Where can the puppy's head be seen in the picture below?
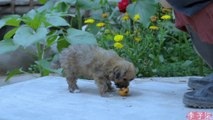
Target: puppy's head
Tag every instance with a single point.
(123, 73)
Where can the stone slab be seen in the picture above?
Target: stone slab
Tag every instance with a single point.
(47, 98)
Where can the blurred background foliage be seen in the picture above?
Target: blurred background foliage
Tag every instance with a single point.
(142, 31)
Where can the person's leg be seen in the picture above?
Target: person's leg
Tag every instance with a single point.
(205, 50)
(202, 96)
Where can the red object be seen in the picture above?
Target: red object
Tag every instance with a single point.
(201, 23)
(122, 5)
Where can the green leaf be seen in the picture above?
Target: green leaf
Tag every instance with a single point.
(72, 2)
(92, 28)
(145, 8)
(13, 73)
(62, 43)
(2, 23)
(51, 39)
(31, 14)
(47, 6)
(57, 21)
(88, 4)
(42, 1)
(35, 19)
(47, 66)
(80, 37)
(187, 63)
(161, 58)
(26, 36)
(61, 7)
(10, 33)
(7, 46)
(11, 20)
(151, 56)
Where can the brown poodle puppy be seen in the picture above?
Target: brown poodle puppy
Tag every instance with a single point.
(93, 62)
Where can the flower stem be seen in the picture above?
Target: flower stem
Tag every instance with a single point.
(79, 18)
(40, 57)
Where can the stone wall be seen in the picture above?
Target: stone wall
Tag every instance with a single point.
(16, 6)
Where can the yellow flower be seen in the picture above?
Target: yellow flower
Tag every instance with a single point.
(137, 39)
(136, 17)
(118, 38)
(125, 17)
(166, 17)
(100, 24)
(153, 27)
(104, 15)
(89, 21)
(118, 45)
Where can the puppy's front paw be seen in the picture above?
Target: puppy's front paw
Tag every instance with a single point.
(74, 90)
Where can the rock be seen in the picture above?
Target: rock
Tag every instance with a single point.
(18, 59)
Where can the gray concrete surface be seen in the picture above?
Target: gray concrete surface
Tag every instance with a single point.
(17, 78)
(47, 98)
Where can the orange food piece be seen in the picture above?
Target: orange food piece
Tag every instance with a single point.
(123, 91)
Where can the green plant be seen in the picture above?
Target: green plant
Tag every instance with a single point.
(145, 34)
(44, 27)
(147, 37)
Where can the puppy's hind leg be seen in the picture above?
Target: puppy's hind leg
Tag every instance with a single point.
(72, 84)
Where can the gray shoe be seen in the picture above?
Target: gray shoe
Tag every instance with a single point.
(196, 83)
(200, 98)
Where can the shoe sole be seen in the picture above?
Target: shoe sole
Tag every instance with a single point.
(197, 102)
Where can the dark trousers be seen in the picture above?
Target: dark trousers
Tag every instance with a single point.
(205, 50)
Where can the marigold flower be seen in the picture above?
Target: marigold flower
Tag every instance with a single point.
(104, 15)
(125, 17)
(118, 38)
(137, 39)
(166, 17)
(153, 27)
(118, 45)
(154, 18)
(89, 21)
(136, 17)
(122, 5)
(100, 24)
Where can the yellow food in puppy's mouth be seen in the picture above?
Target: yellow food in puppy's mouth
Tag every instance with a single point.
(123, 91)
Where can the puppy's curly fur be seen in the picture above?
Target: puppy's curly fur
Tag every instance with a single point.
(93, 62)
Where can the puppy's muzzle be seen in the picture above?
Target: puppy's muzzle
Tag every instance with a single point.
(122, 84)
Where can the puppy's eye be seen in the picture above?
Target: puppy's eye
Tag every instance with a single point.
(125, 79)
